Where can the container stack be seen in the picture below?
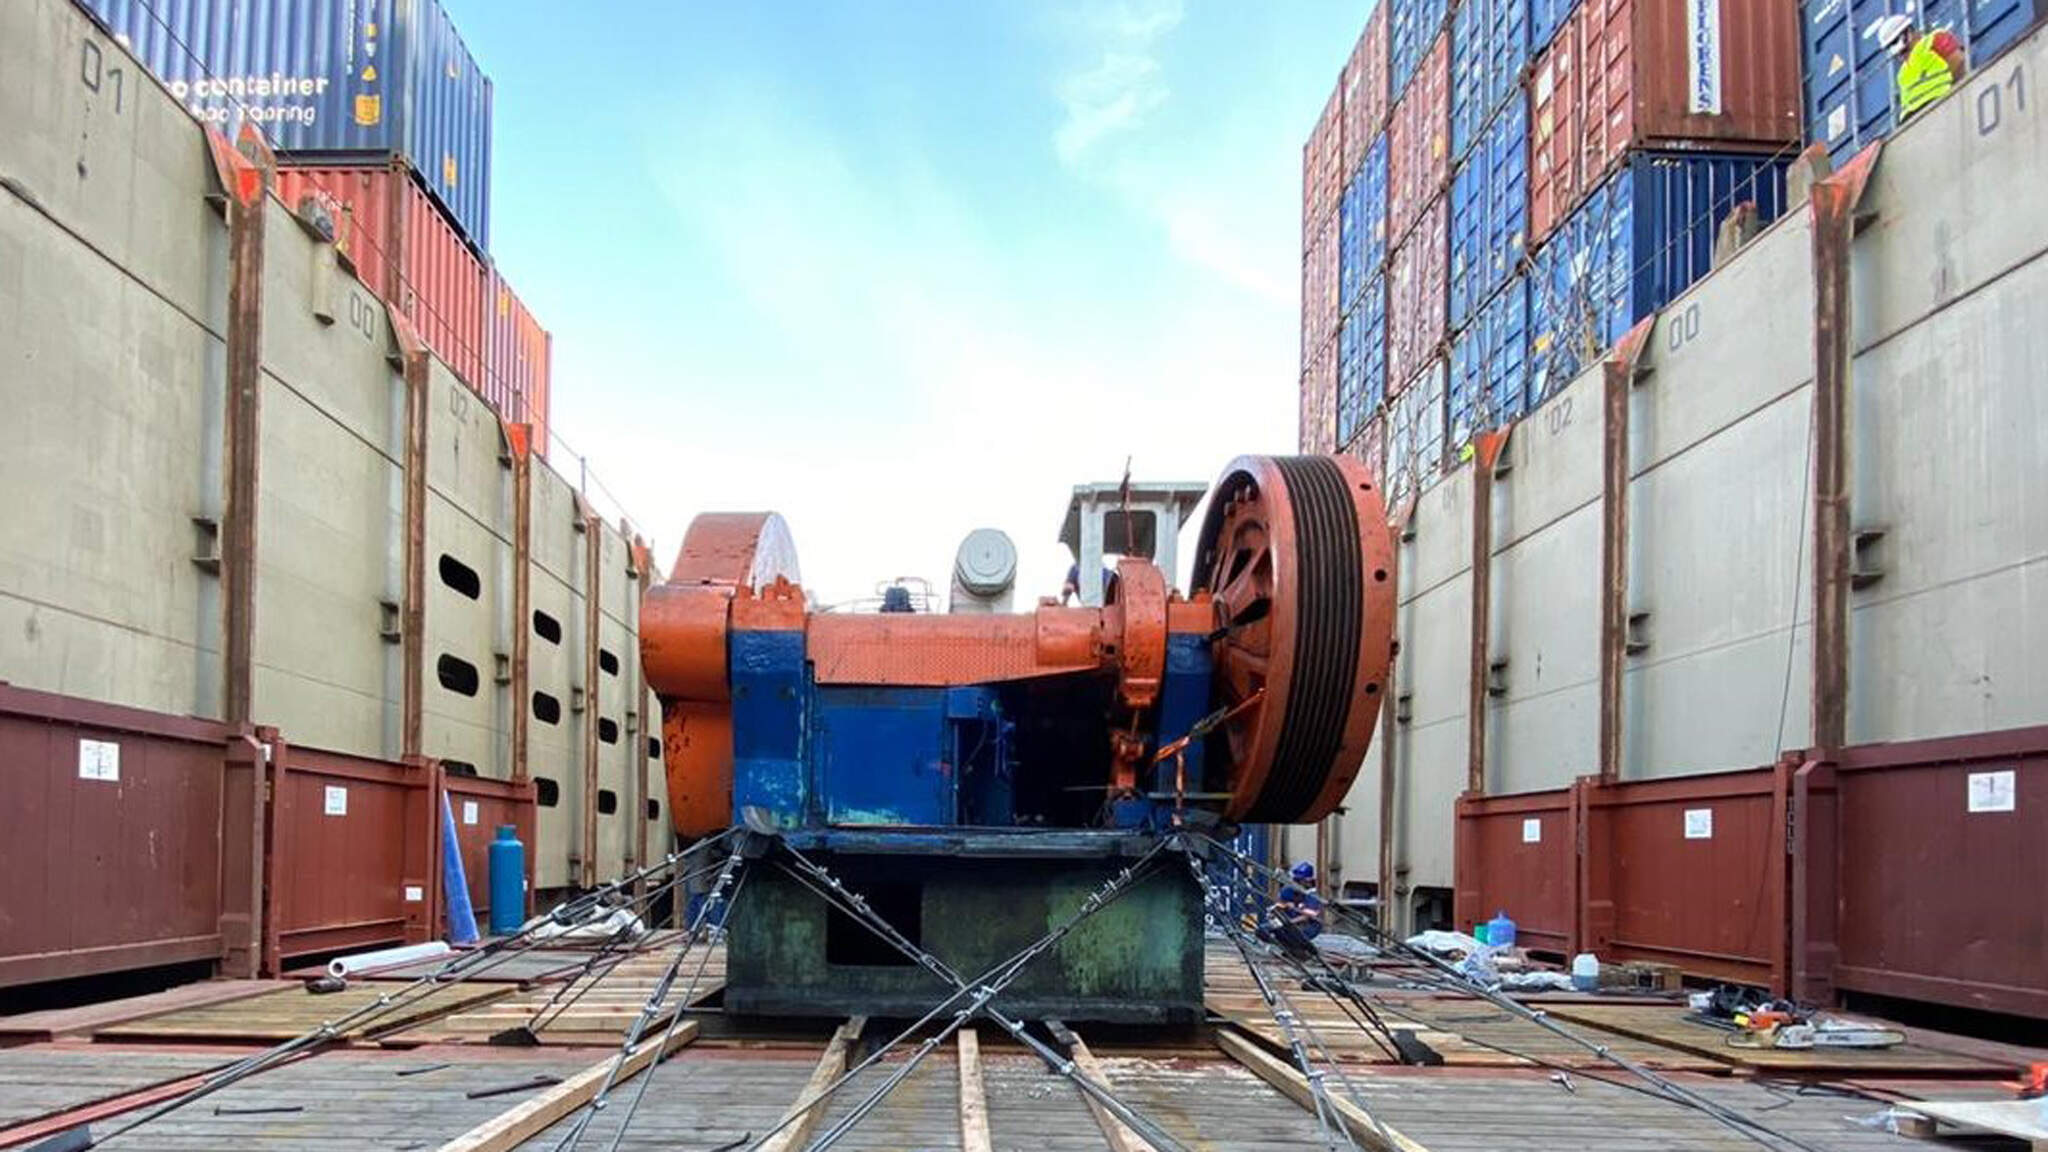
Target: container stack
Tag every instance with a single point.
(1322, 166)
(1850, 93)
(381, 120)
(1548, 173)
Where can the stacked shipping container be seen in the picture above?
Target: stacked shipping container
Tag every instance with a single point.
(1554, 171)
(380, 114)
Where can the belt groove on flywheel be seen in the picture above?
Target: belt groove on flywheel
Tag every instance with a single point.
(1329, 605)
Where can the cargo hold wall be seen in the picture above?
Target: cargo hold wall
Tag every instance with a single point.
(1947, 438)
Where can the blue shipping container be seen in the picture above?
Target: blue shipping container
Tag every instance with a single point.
(1490, 212)
(1490, 366)
(1362, 228)
(1849, 79)
(1362, 361)
(346, 80)
(1489, 50)
(1640, 239)
(1412, 26)
(1545, 18)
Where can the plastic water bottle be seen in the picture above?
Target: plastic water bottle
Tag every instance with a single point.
(1586, 972)
(508, 882)
(1500, 931)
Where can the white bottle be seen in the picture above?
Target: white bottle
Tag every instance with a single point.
(1586, 972)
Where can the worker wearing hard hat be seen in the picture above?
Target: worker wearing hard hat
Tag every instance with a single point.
(1929, 63)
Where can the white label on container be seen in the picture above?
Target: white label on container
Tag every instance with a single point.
(99, 760)
(337, 801)
(1992, 791)
(469, 812)
(1699, 823)
(1545, 83)
(1532, 829)
(1838, 121)
(1703, 56)
(414, 893)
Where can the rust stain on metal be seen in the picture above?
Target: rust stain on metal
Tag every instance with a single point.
(1486, 452)
(1834, 206)
(247, 175)
(413, 605)
(1618, 370)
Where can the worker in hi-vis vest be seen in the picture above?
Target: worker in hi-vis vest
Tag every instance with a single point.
(1929, 63)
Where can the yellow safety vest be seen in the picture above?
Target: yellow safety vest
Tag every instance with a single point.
(1924, 78)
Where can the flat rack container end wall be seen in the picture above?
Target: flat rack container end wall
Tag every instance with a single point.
(356, 81)
(1628, 74)
(1848, 76)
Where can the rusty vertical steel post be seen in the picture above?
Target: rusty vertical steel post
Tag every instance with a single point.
(413, 604)
(1618, 371)
(593, 550)
(521, 438)
(1486, 452)
(245, 175)
(1388, 762)
(1834, 209)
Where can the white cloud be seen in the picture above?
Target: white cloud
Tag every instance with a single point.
(1122, 84)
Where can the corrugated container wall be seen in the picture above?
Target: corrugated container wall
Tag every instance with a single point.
(1319, 288)
(1419, 141)
(1489, 212)
(1362, 360)
(1411, 30)
(1319, 400)
(1623, 74)
(1415, 297)
(361, 79)
(1490, 367)
(1489, 53)
(1322, 166)
(1545, 18)
(518, 359)
(1365, 89)
(1849, 79)
(405, 249)
(1362, 227)
(1642, 238)
(1415, 432)
(1370, 448)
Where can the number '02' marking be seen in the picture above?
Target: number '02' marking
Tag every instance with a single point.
(1558, 416)
(1991, 101)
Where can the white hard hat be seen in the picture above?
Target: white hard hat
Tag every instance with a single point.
(1890, 31)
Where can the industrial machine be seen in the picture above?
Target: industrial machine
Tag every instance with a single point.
(976, 776)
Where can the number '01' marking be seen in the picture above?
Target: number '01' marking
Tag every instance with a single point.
(94, 73)
(1991, 101)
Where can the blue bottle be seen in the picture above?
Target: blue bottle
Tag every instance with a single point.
(1500, 931)
(508, 882)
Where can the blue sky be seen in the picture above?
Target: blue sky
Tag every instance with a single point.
(898, 270)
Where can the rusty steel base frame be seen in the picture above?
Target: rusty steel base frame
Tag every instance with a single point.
(1136, 961)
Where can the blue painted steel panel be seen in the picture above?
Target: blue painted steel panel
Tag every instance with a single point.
(769, 696)
(1490, 212)
(1545, 18)
(1183, 701)
(1489, 52)
(1362, 361)
(1490, 366)
(882, 755)
(1412, 26)
(1848, 77)
(1640, 239)
(343, 79)
(1362, 235)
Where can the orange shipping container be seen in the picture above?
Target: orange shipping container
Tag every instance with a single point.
(1322, 166)
(1419, 141)
(518, 356)
(1320, 316)
(1319, 400)
(1622, 74)
(405, 250)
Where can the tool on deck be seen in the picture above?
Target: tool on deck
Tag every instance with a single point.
(539, 1080)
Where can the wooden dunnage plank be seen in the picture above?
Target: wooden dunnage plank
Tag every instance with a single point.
(2020, 1119)
(803, 1116)
(1295, 1086)
(1669, 1027)
(50, 1024)
(509, 1129)
(974, 1134)
(291, 1011)
(1114, 1131)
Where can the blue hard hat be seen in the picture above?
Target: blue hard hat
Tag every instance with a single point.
(1304, 872)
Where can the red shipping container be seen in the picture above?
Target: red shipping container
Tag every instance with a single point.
(1418, 304)
(405, 250)
(1365, 90)
(1319, 400)
(1369, 447)
(1623, 75)
(1322, 166)
(1419, 140)
(1320, 313)
(518, 356)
